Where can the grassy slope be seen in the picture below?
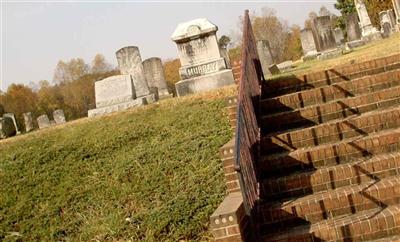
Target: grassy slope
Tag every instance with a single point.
(157, 167)
(376, 49)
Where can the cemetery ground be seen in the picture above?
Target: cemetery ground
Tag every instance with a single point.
(149, 174)
(384, 47)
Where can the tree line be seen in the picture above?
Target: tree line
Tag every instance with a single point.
(72, 88)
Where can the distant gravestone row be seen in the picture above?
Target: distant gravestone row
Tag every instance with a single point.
(322, 42)
(9, 127)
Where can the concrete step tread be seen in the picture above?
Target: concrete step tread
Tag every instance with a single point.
(336, 228)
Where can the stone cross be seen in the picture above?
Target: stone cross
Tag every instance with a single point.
(264, 53)
(43, 121)
(154, 73)
(28, 121)
(59, 116)
(130, 63)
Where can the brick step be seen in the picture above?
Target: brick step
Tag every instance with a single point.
(317, 114)
(387, 239)
(330, 154)
(332, 92)
(332, 131)
(367, 225)
(287, 85)
(314, 208)
(328, 178)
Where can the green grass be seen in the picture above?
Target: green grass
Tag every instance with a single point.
(151, 174)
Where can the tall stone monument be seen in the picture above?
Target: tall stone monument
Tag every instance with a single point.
(396, 7)
(325, 39)
(203, 66)
(308, 44)
(43, 121)
(154, 73)
(264, 53)
(28, 121)
(368, 32)
(59, 116)
(123, 91)
(392, 17)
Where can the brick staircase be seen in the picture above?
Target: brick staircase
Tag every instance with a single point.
(330, 157)
(329, 168)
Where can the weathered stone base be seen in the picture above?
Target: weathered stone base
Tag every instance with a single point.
(204, 83)
(330, 54)
(372, 37)
(354, 44)
(122, 106)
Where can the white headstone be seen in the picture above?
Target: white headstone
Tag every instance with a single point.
(203, 66)
(154, 72)
(43, 121)
(308, 43)
(28, 121)
(264, 53)
(59, 116)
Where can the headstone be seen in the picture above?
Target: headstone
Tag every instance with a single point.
(154, 73)
(130, 63)
(308, 44)
(59, 116)
(330, 54)
(12, 116)
(225, 55)
(264, 53)
(7, 127)
(339, 36)
(120, 92)
(353, 28)
(203, 66)
(43, 121)
(368, 32)
(354, 44)
(28, 121)
(274, 69)
(386, 30)
(325, 38)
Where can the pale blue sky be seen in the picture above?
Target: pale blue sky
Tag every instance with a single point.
(36, 35)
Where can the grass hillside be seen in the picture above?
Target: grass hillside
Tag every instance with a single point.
(150, 174)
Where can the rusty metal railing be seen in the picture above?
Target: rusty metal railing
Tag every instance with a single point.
(247, 128)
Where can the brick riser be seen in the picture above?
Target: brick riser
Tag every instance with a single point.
(329, 178)
(344, 108)
(333, 131)
(331, 204)
(279, 87)
(366, 225)
(330, 154)
(331, 92)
